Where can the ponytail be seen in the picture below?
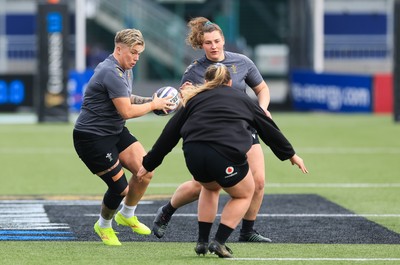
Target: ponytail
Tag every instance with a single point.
(216, 75)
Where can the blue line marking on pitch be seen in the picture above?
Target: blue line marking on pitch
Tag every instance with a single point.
(26, 238)
(30, 232)
(21, 235)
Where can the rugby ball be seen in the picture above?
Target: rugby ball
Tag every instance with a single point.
(166, 92)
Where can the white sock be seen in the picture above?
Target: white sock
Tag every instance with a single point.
(127, 211)
(103, 223)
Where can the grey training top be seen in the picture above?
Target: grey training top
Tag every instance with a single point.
(98, 114)
(243, 71)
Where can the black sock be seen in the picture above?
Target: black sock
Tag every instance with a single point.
(223, 233)
(247, 226)
(169, 209)
(204, 231)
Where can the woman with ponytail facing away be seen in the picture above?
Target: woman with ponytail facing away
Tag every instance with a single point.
(216, 138)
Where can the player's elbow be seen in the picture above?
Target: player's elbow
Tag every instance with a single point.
(125, 115)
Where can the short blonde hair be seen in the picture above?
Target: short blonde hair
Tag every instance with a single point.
(129, 37)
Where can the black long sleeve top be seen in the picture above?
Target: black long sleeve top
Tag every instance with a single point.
(220, 117)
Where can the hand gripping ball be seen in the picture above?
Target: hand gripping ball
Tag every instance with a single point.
(164, 92)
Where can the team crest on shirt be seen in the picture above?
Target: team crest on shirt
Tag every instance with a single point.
(190, 66)
(119, 72)
(234, 69)
(230, 172)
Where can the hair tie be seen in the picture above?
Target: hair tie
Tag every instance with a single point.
(208, 23)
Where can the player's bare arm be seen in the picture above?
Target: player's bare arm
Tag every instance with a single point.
(140, 100)
(127, 110)
(263, 95)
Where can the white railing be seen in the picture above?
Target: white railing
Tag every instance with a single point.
(164, 31)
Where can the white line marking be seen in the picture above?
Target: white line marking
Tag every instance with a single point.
(178, 150)
(303, 185)
(284, 215)
(334, 185)
(6, 204)
(347, 150)
(29, 216)
(21, 210)
(317, 259)
(21, 207)
(331, 215)
(20, 215)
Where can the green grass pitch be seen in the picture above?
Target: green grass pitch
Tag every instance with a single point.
(353, 161)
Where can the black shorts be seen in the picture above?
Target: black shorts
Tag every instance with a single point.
(101, 152)
(206, 165)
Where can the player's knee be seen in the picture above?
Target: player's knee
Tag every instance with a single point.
(112, 199)
(116, 193)
(195, 189)
(117, 187)
(148, 177)
(259, 182)
(259, 186)
(125, 191)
